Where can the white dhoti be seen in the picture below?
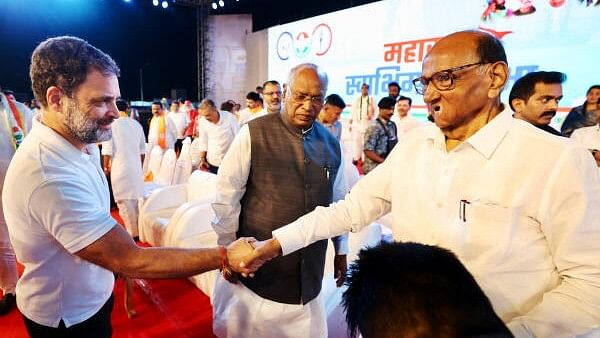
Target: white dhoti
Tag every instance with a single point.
(239, 312)
(129, 212)
(358, 139)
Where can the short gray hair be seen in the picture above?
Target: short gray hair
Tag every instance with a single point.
(303, 66)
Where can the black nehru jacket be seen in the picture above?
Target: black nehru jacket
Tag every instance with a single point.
(291, 174)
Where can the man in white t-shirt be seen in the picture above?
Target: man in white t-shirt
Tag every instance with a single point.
(123, 158)
(56, 202)
(217, 130)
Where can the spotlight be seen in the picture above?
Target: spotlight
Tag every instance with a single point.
(164, 4)
(155, 2)
(127, 0)
(214, 5)
(221, 3)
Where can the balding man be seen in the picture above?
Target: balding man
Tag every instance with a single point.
(518, 206)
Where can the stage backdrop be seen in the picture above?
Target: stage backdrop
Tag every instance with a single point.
(387, 40)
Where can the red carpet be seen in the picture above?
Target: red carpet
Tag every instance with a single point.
(165, 308)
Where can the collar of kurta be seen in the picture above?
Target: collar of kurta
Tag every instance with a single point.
(485, 140)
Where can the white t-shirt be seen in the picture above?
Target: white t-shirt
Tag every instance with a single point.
(215, 139)
(56, 203)
(125, 147)
(588, 137)
(518, 206)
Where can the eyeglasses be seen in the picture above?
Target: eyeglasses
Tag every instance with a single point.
(278, 92)
(442, 80)
(302, 97)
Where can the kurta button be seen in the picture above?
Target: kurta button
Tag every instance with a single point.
(306, 160)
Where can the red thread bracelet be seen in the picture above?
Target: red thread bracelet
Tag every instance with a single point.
(224, 262)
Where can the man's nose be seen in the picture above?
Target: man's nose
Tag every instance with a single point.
(113, 110)
(430, 93)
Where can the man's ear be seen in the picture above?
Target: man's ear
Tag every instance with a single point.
(498, 73)
(518, 105)
(54, 97)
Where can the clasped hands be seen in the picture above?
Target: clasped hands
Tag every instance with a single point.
(246, 255)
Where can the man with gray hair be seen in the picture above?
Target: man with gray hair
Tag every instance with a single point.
(279, 167)
(56, 202)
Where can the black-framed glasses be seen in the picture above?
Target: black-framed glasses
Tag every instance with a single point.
(302, 97)
(442, 80)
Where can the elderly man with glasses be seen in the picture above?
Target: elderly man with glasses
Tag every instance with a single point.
(518, 206)
(279, 167)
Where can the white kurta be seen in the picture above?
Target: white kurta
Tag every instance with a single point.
(125, 148)
(170, 130)
(405, 124)
(181, 120)
(215, 138)
(246, 115)
(588, 137)
(530, 235)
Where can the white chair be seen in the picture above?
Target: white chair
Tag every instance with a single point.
(156, 155)
(195, 153)
(183, 166)
(146, 158)
(168, 202)
(167, 168)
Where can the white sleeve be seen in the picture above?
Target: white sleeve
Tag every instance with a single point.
(570, 222)
(231, 186)
(70, 213)
(368, 200)
(202, 134)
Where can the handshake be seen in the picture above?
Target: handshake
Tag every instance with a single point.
(246, 255)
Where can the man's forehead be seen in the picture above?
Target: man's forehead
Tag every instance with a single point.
(548, 88)
(451, 52)
(271, 86)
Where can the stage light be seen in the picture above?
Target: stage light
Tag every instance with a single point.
(127, 0)
(164, 4)
(155, 2)
(214, 5)
(221, 3)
